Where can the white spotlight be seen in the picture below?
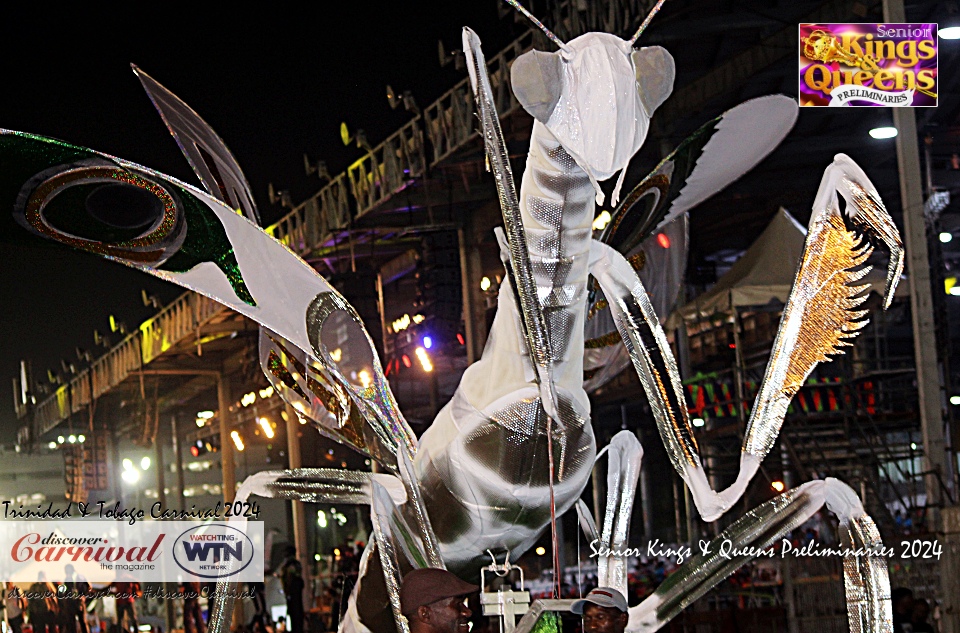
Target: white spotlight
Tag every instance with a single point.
(946, 237)
(950, 33)
(883, 132)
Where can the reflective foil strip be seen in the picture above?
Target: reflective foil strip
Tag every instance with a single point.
(403, 538)
(623, 472)
(319, 493)
(321, 485)
(418, 511)
(865, 576)
(221, 605)
(757, 529)
(380, 511)
(301, 382)
(647, 344)
(535, 329)
(375, 398)
(866, 579)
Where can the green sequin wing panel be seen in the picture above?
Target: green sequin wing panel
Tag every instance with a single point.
(93, 202)
(207, 241)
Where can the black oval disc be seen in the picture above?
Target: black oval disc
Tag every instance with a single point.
(124, 206)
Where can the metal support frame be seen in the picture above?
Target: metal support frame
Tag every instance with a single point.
(921, 304)
(299, 508)
(929, 381)
(924, 328)
(226, 443)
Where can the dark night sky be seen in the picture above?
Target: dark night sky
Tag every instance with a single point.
(275, 83)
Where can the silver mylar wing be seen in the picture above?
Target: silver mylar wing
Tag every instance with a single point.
(206, 152)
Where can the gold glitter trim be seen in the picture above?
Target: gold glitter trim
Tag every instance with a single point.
(820, 315)
(599, 305)
(608, 339)
(129, 249)
(349, 421)
(660, 182)
(638, 261)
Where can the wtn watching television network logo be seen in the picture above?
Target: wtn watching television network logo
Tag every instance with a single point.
(103, 551)
(213, 550)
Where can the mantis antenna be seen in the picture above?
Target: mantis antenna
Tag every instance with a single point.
(646, 21)
(550, 34)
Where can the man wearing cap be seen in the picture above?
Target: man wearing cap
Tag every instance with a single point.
(433, 601)
(604, 610)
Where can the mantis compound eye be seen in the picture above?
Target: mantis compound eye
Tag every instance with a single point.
(537, 83)
(656, 71)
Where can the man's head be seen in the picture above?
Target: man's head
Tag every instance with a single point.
(902, 599)
(434, 601)
(604, 610)
(921, 610)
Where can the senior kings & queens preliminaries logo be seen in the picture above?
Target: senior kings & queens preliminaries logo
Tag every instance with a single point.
(868, 65)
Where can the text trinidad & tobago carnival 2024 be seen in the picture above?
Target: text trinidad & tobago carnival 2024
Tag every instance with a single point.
(115, 512)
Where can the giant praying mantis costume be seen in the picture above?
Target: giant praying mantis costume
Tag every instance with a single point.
(514, 447)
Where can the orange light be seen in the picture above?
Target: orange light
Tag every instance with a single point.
(663, 240)
(266, 426)
(778, 486)
(424, 359)
(406, 361)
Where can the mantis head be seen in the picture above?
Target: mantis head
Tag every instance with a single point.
(596, 95)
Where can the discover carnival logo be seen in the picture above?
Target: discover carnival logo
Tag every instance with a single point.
(150, 551)
(54, 548)
(213, 550)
